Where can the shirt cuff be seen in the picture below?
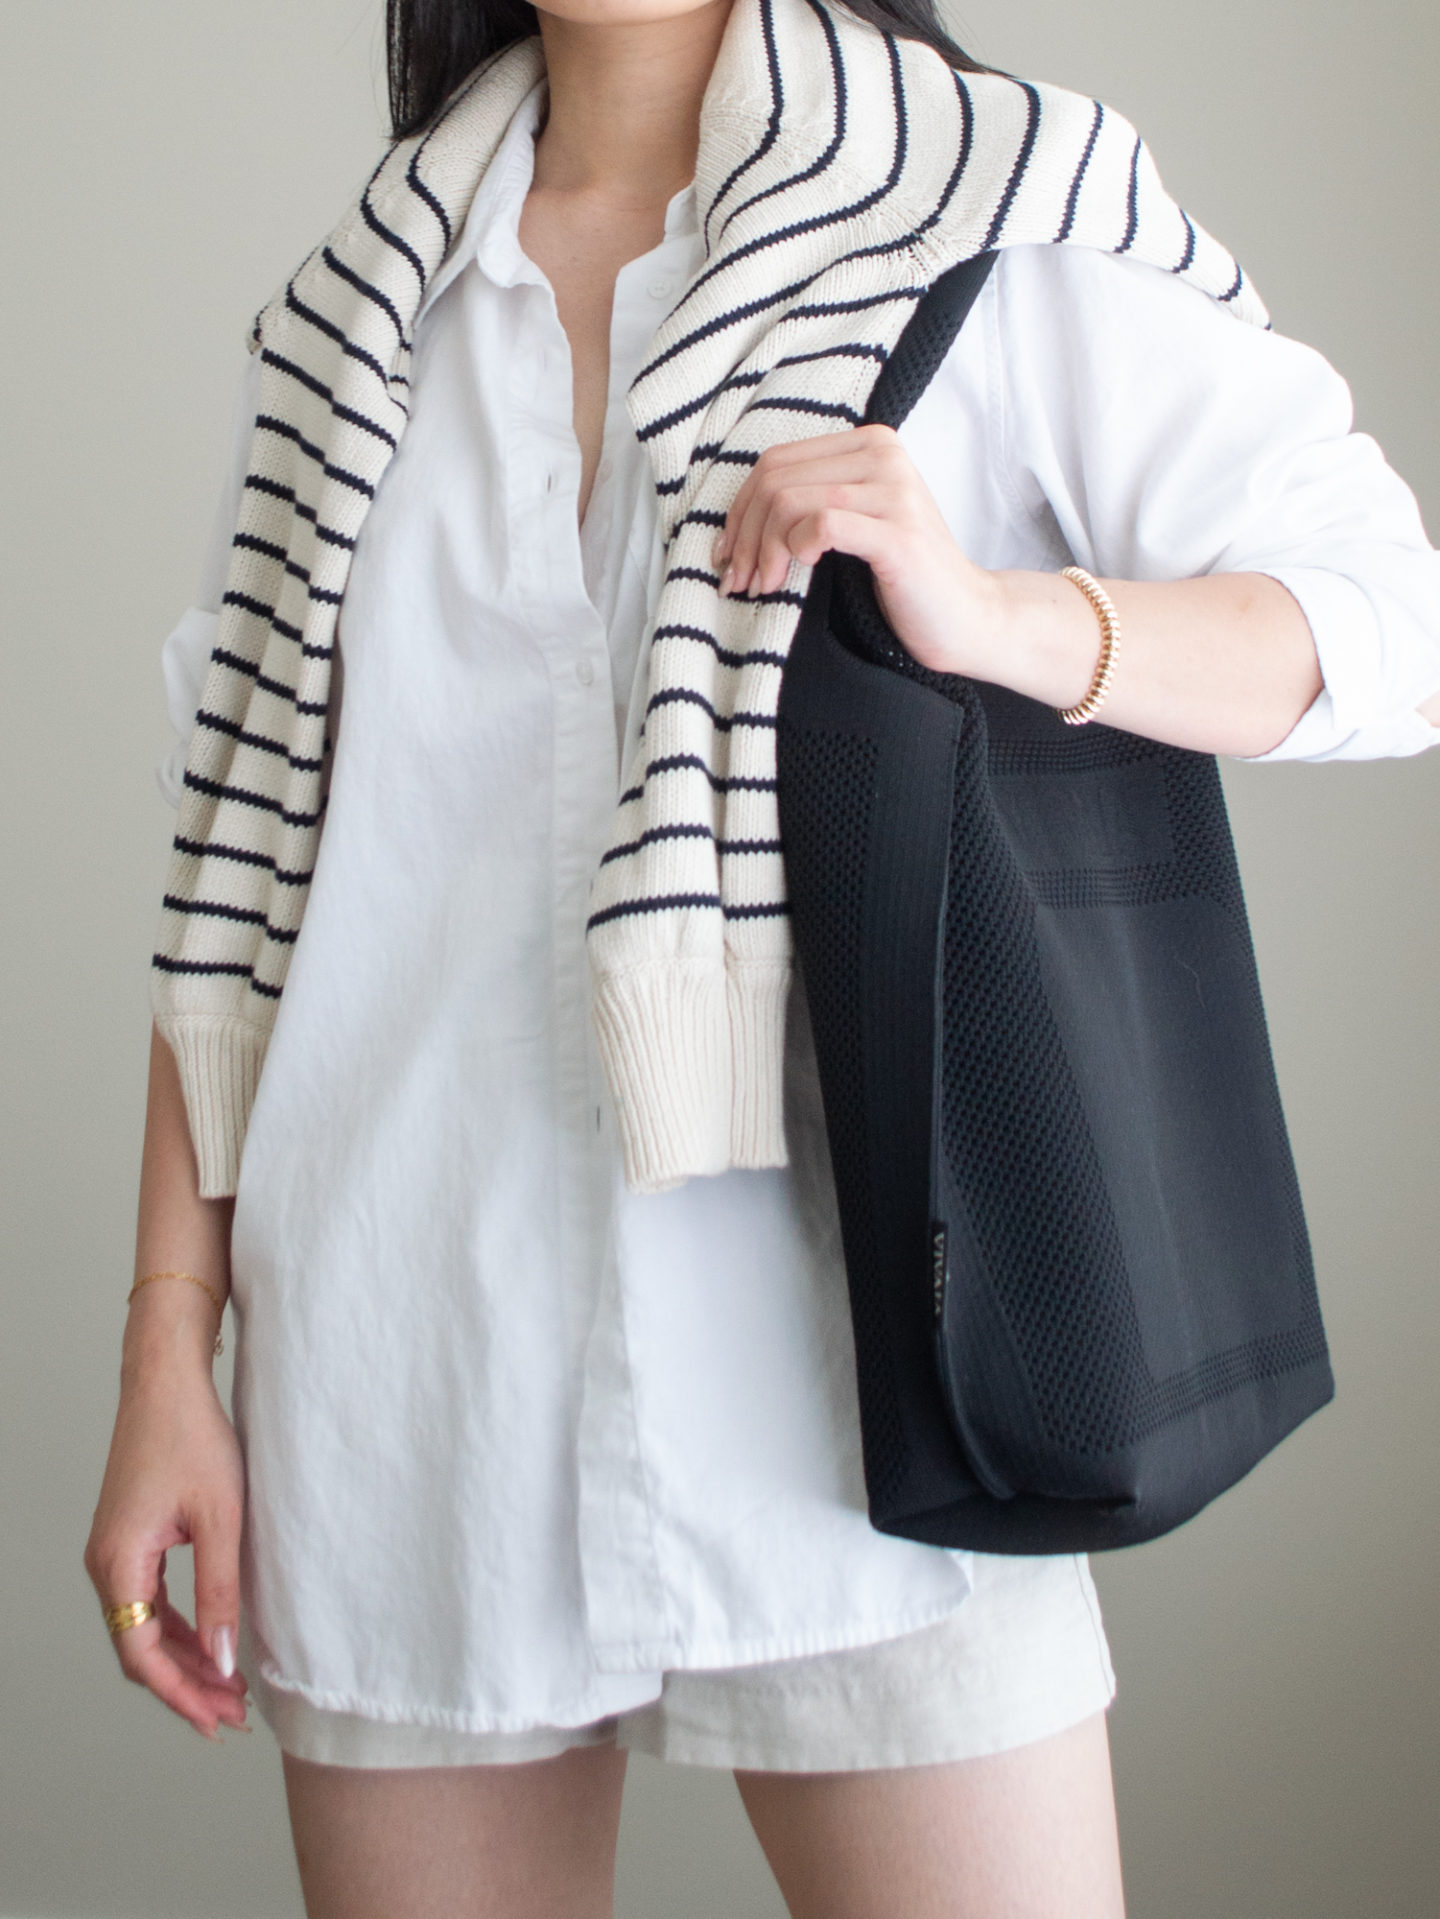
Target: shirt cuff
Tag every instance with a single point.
(1348, 645)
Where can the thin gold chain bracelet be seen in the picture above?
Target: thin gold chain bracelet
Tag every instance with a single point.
(1109, 620)
(195, 1280)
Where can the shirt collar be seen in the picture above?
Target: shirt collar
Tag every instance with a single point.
(490, 237)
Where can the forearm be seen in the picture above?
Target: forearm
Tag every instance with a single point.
(1222, 664)
(171, 1322)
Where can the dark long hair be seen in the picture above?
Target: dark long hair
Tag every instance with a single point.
(432, 44)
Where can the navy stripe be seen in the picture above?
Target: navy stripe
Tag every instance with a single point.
(1132, 225)
(238, 968)
(840, 117)
(351, 415)
(268, 548)
(271, 551)
(846, 350)
(419, 188)
(268, 423)
(378, 227)
(250, 668)
(721, 782)
(698, 633)
(1072, 202)
(263, 612)
(1187, 259)
(962, 158)
(766, 910)
(1235, 287)
(656, 833)
(687, 696)
(1017, 172)
(347, 346)
(214, 790)
(821, 409)
(217, 723)
(239, 856)
(823, 308)
(722, 846)
(772, 124)
(779, 235)
(656, 903)
(372, 293)
(212, 909)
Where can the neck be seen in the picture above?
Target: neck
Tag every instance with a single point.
(624, 103)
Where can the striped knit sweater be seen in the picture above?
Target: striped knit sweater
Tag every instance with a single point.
(840, 171)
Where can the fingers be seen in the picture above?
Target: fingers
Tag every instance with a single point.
(183, 1643)
(165, 1654)
(788, 505)
(216, 1536)
(123, 1572)
(207, 1704)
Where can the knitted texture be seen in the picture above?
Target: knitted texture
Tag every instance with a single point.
(840, 170)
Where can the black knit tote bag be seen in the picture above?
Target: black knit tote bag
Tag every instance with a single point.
(1079, 1272)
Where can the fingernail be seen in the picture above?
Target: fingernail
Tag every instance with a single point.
(222, 1649)
(727, 579)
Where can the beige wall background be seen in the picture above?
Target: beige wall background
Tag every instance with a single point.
(166, 164)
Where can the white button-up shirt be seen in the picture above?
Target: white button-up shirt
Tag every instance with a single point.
(518, 1439)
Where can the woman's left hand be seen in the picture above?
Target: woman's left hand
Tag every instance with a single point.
(859, 492)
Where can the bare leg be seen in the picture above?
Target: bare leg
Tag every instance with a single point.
(534, 1841)
(1026, 1834)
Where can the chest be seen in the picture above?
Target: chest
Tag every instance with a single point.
(580, 248)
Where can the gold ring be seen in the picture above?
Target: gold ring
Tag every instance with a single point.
(121, 1618)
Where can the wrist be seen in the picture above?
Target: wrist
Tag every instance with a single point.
(1042, 639)
(171, 1326)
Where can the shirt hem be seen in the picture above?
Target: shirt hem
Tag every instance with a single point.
(669, 1655)
(445, 1718)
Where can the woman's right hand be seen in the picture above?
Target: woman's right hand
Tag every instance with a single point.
(174, 1476)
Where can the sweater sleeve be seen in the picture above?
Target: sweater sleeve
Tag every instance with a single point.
(186, 652)
(1160, 440)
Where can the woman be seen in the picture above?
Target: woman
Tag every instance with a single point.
(532, 1463)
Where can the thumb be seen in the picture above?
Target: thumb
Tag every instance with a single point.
(215, 1537)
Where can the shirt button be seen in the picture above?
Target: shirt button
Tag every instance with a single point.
(585, 673)
(658, 289)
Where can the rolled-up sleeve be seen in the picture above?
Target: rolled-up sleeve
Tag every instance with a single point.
(1165, 440)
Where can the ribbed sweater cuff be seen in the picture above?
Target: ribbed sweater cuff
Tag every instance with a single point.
(695, 1058)
(757, 996)
(219, 1061)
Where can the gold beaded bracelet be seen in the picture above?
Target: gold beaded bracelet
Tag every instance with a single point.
(195, 1280)
(1109, 646)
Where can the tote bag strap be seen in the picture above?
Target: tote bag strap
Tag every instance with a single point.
(928, 337)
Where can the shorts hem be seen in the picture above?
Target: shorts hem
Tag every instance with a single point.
(729, 1753)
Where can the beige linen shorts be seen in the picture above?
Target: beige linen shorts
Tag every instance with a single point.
(1024, 1656)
